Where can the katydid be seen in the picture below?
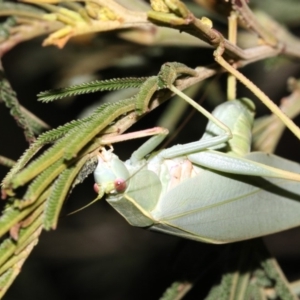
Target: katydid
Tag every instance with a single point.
(196, 192)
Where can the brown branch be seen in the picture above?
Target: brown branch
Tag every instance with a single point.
(250, 21)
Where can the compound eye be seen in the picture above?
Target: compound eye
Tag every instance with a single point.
(120, 185)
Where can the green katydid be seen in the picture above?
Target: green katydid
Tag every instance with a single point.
(198, 193)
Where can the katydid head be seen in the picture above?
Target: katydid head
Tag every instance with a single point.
(110, 174)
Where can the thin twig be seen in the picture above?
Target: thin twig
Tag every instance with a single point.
(8, 96)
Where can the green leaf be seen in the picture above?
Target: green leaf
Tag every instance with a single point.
(91, 87)
(89, 130)
(16, 262)
(7, 162)
(22, 161)
(6, 280)
(11, 215)
(148, 88)
(59, 193)
(169, 72)
(40, 164)
(74, 140)
(40, 184)
(9, 247)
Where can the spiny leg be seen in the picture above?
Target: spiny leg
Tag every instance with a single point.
(166, 78)
(256, 91)
(232, 37)
(202, 110)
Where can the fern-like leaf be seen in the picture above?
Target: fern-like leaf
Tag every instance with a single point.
(89, 130)
(148, 88)
(40, 164)
(40, 183)
(91, 87)
(12, 215)
(9, 247)
(169, 72)
(55, 134)
(7, 162)
(74, 140)
(6, 280)
(17, 261)
(22, 161)
(59, 193)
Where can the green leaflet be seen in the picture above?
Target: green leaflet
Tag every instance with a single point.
(172, 292)
(74, 140)
(226, 286)
(169, 72)
(282, 288)
(7, 162)
(148, 88)
(273, 271)
(6, 280)
(16, 263)
(89, 130)
(43, 139)
(40, 183)
(261, 278)
(37, 166)
(11, 215)
(57, 133)
(183, 69)
(59, 193)
(254, 292)
(9, 247)
(214, 293)
(91, 87)
(167, 75)
(47, 137)
(22, 161)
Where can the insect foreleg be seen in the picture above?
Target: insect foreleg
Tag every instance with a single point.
(257, 92)
(148, 146)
